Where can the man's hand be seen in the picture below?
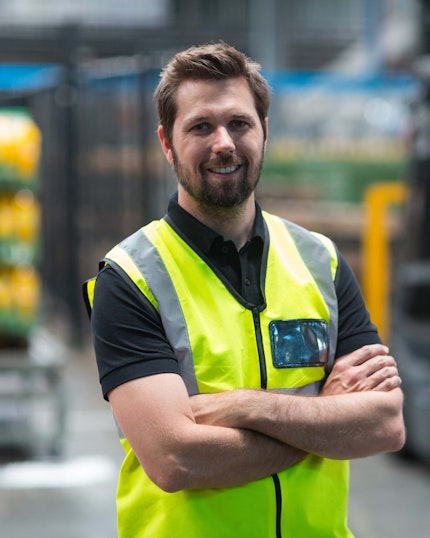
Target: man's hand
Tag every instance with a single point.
(217, 409)
(367, 368)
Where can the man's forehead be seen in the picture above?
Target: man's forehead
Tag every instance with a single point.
(203, 97)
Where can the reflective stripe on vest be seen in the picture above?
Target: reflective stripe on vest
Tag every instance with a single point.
(151, 277)
(321, 259)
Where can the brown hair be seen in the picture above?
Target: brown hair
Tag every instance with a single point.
(208, 62)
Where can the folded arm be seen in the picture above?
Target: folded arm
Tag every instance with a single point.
(359, 411)
(177, 453)
(339, 426)
(231, 438)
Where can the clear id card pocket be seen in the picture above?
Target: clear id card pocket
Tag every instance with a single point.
(298, 343)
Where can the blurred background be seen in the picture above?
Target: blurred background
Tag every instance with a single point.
(81, 168)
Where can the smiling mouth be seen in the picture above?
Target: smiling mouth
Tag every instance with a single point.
(224, 169)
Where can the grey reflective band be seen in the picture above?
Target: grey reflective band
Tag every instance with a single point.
(317, 258)
(160, 283)
(312, 389)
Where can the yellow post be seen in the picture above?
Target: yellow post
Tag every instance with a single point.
(376, 251)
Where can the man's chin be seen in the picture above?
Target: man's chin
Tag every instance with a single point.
(225, 200)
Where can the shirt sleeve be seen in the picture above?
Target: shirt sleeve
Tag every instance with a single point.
(355, 326)
(129, 339)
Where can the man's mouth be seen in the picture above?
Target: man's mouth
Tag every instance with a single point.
(224, 169)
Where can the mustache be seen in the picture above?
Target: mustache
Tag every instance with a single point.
(224, 161)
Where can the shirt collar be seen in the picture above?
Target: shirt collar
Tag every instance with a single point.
(201, 235)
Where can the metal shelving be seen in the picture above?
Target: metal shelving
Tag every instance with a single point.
(31, 396)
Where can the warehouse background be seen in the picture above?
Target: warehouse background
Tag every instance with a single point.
(85, 71)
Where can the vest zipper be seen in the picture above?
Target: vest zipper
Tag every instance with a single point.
(263, 383)
(278, 505)
(260, 348)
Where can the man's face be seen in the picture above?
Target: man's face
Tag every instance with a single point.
(217, 142)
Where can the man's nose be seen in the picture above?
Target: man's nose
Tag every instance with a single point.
(223, 141)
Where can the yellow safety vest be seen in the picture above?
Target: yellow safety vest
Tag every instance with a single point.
(221, 345)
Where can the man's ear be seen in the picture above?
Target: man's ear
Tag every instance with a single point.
(266, 124)
(167, 150)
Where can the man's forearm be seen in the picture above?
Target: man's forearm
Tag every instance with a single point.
(214, 457)
(341, 427)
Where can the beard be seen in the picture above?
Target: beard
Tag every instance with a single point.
(219, 194)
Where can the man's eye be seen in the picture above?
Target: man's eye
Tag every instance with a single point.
(200, 127)
(239, 124)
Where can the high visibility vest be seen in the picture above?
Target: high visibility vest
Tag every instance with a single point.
(223, 344)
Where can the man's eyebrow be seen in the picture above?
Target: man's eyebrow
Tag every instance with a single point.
(196, 119)
(202, 118)
(243, 116)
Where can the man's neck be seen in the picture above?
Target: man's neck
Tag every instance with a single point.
(235, 223)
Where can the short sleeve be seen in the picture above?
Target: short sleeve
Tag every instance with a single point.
(129, 338)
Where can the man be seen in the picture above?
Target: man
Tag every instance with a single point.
(233, 346)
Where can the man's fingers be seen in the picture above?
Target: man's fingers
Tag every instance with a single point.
(389, 383)
(379, 376)
(366, 353)
(368, 368)
(378, 363)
